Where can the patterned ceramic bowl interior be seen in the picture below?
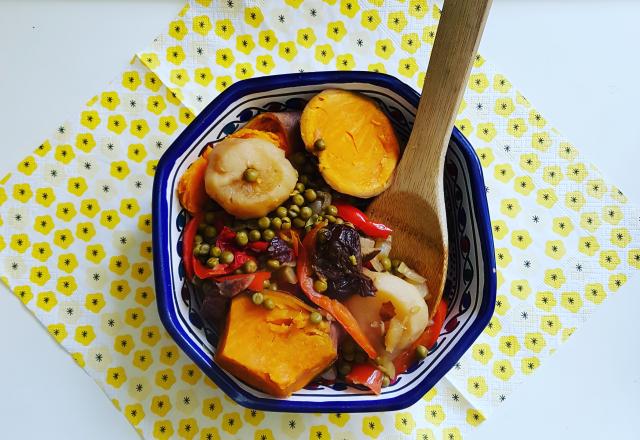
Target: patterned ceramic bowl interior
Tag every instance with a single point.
(470, 287)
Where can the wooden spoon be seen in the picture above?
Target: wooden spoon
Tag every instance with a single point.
(414, 204)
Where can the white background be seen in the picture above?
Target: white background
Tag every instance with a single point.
(577, 62)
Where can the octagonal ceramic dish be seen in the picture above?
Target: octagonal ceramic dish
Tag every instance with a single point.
(471, 281)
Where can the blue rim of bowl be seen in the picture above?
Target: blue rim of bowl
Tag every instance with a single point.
(160, 223)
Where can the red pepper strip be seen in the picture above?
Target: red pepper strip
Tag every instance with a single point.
(334, 307)
(258, 246)
(361, 221)
(367, 375)
(427, 339)
(203, 272)
(190, 231)
(257, 282)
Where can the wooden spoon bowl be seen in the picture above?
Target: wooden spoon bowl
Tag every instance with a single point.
(414, 203)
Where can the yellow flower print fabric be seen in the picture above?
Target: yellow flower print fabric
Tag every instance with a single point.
(75, 223)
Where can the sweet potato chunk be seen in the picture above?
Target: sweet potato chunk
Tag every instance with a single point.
(353, 139)
(276, 351)
(284, 125)
(250, 133)
(191, 191)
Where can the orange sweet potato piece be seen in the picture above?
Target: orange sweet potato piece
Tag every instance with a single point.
(285, 125)
(276, 351)
(191, 190)
(250, 133)
(361, 150)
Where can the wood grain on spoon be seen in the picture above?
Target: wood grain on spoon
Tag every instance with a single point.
(414, 204)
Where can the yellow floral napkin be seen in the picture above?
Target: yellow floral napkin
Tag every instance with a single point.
(75, 219)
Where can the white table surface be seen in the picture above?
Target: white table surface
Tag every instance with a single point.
(575, 60)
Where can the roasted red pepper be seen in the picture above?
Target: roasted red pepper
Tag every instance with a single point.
(367, 375)
(427, 339)
(352, 214)
(190, 231)
(258, 246)
(257, 284)
(226, 239)
(332, 306)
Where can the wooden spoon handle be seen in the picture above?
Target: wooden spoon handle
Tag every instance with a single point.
(454, 49)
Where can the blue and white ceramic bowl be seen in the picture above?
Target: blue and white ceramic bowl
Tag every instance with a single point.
(471, 280)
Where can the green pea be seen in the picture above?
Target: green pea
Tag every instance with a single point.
(201, 227)
(305, 212)
(254, 235)
(303, 179)
(197, 239)
(353, 260)
(319, 144)
(298, 199)
(344, 368)
(421, 351)
(268, 304)
(257, 298)
(273, 286)
(227, 257)
(264, 222)
(204, 249)
(210, 217)
(276, 223)
(298, 223)
(215, 251)
(300, 187)
(212, 262)
(210, 232)
(273, 264)
(386, 263)
(315, 317)
(266, 284)
(310, 195)
(292, 214)
(339, 221)
(330, 218)
(249, 267)
(385, 381)
(331, 210)
(281, 211)
(286, 225)
(268, 234)
(250, 175)
(320, 285)
(196, 250)
(241, 238)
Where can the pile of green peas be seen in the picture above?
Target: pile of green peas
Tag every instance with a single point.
(204, 247)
